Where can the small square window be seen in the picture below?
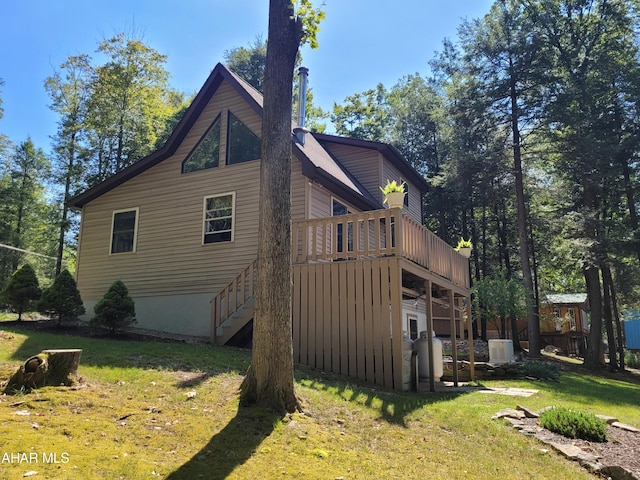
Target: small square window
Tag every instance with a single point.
(124, 227)
(218, 218)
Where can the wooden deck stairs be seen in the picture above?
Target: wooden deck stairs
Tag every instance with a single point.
(233, 308)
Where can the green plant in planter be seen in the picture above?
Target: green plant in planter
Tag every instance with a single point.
(392, 187)
(462, 243)
(394, 193)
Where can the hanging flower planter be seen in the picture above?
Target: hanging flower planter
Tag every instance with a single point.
(464, 247)
(393, 194)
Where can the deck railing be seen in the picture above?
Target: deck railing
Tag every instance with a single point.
(377, 233)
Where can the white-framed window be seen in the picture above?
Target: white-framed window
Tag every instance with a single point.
(557, 318)
(124, 230)
(572, 319)
(218, 218)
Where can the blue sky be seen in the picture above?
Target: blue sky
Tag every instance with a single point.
(362, 43)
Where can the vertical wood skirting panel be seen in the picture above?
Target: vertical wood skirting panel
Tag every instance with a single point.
(361, 330)
(326, 319)
(395, 287)
(352, 331)
(336, 340)
(319, 318)
(295, 310)
(378, 354)
(385, 320)
(341, 318)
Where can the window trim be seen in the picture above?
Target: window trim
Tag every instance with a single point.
(233, 217)
(135, 230)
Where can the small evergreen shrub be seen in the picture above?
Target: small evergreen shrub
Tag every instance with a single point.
(21, 290)
(574, 424)
(62, 298)
(116, 310)
(539, 370)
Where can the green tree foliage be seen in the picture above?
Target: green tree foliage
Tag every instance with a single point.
(62, 298)
(69, 90)
(593, 64)
(500, 301)
(249, 62)
(116, 310)
(27, 215)
(130, 104)
(22, 290)
(363, 115)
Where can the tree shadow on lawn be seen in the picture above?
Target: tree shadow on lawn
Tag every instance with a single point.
(582, 386)
(393, 406)
(231, 447)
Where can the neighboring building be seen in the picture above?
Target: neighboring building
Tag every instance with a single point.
(180, 227)
(564, 321)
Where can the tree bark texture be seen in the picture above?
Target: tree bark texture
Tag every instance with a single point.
(48, 368)
(269, 381)
(533, 322)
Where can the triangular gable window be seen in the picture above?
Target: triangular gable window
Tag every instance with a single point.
(242, 144)
(207, 152)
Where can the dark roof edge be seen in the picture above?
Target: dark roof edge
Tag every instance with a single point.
(218, 74)
(386, 149)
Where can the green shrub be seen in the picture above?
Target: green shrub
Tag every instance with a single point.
(574, 424)
(62, 299)
(540, 370)
(21, 290)
(116, 309)
(632, 359)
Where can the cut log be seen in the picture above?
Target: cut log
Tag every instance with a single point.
(48, 368)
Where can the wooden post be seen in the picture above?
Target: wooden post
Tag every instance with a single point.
(432, 370)
(472, 355)
(48, 368)
(454, 342)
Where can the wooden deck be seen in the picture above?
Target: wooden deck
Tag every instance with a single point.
(376, 234)
(347, 291)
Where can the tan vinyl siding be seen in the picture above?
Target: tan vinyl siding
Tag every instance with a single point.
(298, 191)
(319, 202)
(170, 257)
(363, 163)
(389, 172)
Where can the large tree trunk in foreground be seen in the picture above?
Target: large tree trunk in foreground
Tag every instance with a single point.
(269, 381)
(48, 368)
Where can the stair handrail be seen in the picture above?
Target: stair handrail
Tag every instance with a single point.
(231, 298)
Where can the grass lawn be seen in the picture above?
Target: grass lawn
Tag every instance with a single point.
(131, 418)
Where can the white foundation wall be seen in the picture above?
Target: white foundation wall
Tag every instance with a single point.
(178, 314)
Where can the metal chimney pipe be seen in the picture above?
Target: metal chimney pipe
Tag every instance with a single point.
(300, 130)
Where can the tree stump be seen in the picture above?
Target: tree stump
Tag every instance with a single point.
(48, 368)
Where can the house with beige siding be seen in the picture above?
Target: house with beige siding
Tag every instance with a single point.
(180, 227)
